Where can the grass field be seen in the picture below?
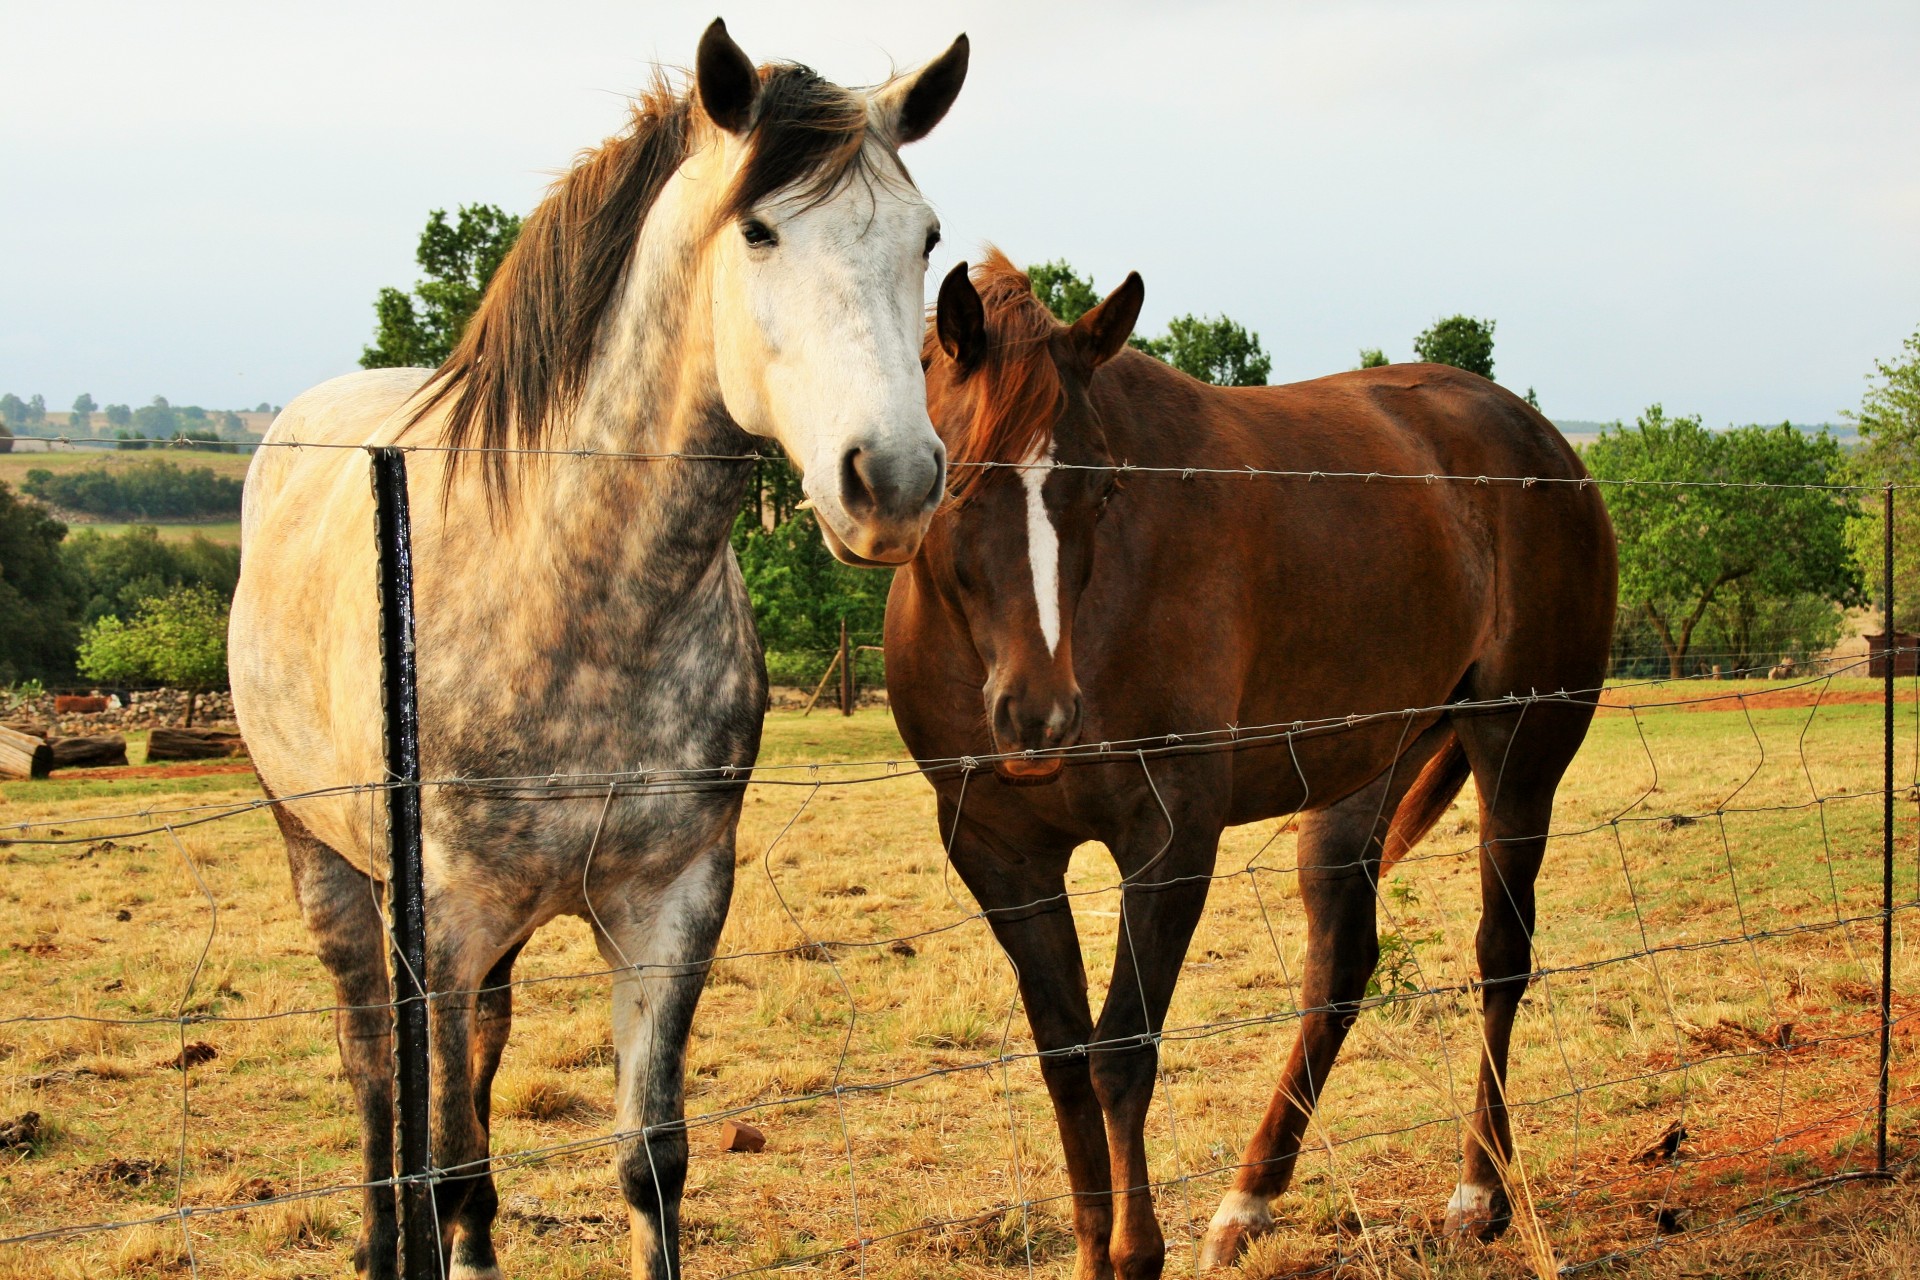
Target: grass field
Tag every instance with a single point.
(1747, 923)
(14, 467)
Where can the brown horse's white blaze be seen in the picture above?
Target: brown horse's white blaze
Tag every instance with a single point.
(747, 260)
(1188, 604)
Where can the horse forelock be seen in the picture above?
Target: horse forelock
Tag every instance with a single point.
(1017, 393)
(523, 361)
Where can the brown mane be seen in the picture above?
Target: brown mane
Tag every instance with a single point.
(1019, 398)
(523, 361)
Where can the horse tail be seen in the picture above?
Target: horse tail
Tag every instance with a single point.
(1429, 797)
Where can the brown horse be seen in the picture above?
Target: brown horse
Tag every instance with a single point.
(1059, 599)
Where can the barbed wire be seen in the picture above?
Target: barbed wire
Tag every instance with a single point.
(1143, 752)
(1122, 468)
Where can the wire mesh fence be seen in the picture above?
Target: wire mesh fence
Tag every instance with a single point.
(1715, 1032)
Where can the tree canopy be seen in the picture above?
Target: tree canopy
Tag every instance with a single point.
(459, 258)
(36, 593)
(1062, 290)
(1461, 341)
(1889, 423)
(178, 639)
(1213, 349)
(112, 574)
(1684, 549)
(1373, 358)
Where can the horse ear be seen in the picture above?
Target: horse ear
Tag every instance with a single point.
(1105, 329)
(909, 107)
(727, 81)
(960, 321)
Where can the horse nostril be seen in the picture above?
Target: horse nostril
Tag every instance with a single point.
(856, 488)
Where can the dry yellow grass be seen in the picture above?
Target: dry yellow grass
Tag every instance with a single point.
(1598, 1070)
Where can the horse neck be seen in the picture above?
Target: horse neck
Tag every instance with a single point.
(661, 517)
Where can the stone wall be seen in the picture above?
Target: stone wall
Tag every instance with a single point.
(145, 709)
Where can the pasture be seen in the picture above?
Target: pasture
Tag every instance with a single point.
(1718, 970)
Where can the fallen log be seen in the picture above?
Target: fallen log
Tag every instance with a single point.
(193, 744)
(24, 756)
(89, 753)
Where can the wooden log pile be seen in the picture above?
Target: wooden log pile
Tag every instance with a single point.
(193, 744)
(26, 751)
(24, 756)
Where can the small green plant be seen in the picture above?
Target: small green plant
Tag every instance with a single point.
(15, 696)
(1398, 972)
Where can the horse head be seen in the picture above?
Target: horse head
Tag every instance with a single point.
(817, 293)
(1009, 389)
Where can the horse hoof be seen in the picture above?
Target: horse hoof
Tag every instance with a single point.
(1224, 1245)
(1479, 1213)
(1241, 1219)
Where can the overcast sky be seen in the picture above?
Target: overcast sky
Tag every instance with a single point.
(1714, 206)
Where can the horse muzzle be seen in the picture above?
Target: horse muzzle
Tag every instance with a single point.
(1029, 735)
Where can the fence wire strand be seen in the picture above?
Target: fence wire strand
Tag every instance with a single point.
(1589, 1188)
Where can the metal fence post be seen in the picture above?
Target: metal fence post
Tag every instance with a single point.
(1886, 844)
(846, 672)
(406, 899)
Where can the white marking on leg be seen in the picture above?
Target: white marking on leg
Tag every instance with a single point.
(1471, 1203)
(1243, 1209)
(1043, 549)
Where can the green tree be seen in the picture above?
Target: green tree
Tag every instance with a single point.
(112, 573)
(179, 639)
(1373, 358)
(119, 415)
(1461, 341)
(13, 410)
(459, 258)
(156, 421)
(1062, 290)
(36, 410)
(148, 490)
(1214, 349)
(82, 416)
(1686, 548)
(1889, 422)
(37, 605)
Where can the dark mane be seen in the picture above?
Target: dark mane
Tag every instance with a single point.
(1019, 397)
(523, 361)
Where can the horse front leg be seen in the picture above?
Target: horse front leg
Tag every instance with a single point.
(1163, 896)
(1024, 897)
(660, 944)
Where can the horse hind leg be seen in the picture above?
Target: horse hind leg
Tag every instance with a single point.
(342, 913)
(473, 1255)
(1517, 763)
(1339, 858)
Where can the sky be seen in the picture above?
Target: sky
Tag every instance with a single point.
(1715, 207)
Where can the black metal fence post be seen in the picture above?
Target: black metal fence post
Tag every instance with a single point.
(847, 686)
(406, 898)
(1886, 843)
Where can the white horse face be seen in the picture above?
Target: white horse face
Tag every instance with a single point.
(818, 305)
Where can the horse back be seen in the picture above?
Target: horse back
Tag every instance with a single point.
(1350, 584)
(302, 640)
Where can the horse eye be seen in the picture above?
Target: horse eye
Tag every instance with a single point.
(757, 233)
(933, 238)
